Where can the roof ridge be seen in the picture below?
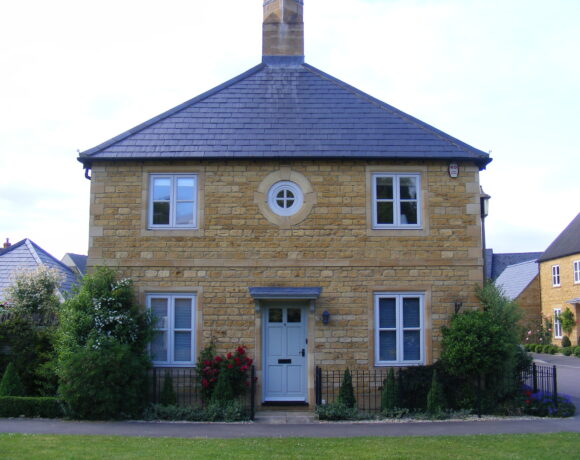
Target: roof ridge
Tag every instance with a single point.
(36, 247)
(522, 263)
(383, 105)
(84, 157)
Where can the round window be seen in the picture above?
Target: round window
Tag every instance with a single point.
(285, 198)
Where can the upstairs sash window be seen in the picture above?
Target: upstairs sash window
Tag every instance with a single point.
(396, 200)
(173, 201)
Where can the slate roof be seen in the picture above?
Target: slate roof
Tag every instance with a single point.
(515, 278)
(79, 260)
(566, 244)
(284, 111)
(26, 255)
(497, 263)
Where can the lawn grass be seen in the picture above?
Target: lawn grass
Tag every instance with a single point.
(527, 446)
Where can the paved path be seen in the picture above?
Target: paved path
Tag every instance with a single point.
(317, 430)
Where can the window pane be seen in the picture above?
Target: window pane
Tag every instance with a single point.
(161, 189)
(385, 188)
(275, 315)
(387, 313)
(294, 315)
(385, 212)
(159, 346)
(182, 343)
(411, 345)
(408, 212)
(159, 310)
(184, 214)
(182, 314)
(185, 186)
(387, 346)
(408, 188)
(161, 213)
(411, 312)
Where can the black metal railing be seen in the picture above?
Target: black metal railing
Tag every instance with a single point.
(187, 387)
(368, 384)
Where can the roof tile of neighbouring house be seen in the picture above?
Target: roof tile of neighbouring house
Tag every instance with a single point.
(497, 263)
(284, 111)
(515, 278)
(26, 255)
(79, 260)
(566, 244)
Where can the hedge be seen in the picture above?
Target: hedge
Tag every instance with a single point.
(17, 406)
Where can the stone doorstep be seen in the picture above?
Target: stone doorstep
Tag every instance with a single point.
(278, 417)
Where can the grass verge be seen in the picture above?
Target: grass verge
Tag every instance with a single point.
(528, 447)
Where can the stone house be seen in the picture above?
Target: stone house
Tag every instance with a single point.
(560, 280)
(292, 213)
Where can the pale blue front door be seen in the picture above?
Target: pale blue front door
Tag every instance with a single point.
(284, 351)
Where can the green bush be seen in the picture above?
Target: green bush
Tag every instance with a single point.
(223, 392)
(167, 396)
(10, 385)
(577, 352)
(102, 342)
(567, 351)
(346, 392)
(338, 411)
(233, 411)
(567, 321)
(390, 394)
(546, 348)
(16, 406)
(566, 342)
(435, 398)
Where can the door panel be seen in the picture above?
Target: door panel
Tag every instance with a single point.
(285, 353)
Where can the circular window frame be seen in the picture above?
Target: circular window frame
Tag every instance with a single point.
(274, 198)
(298, 212)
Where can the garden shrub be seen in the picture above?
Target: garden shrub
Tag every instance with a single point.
(567, 351)
(542, 404)
(546, 348)
(167, 396)
(577, 352)
(338, 411)
(102, 341)
(567, 321)
(17, 406)
(233, 411)
(435, 398)
(390, 394)
(346, 392)
(10, 385)
(482, 346)
(566, 342)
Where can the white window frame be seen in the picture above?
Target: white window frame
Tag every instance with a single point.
(170, 329)
(280, 186)
(557, 323)
(555, 276)
(399, 296)
(576, 269)
(172, 202)
(396, 201)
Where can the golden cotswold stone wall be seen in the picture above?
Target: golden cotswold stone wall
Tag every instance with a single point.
(333, 246)
(557, 297)
(530, 303)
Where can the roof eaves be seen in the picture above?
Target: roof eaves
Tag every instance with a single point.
(480, 157)
(85, 157)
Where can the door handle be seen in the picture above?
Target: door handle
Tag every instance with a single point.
(303, 352)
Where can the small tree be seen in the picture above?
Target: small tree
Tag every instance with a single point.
(10, 385)
(102, 341)
(435, 397)
(390, 398)
(346, 392)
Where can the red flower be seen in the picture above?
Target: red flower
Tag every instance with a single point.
(205, 383)
(249, 361)
(218, 359)
(207, 362)
(230, 366)
(229, 356)
(237, 361)
(244, 368)
(241, 350)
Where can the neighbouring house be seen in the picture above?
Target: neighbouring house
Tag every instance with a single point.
(27, 255)
(521, 283)
(560, 280)
(497, 262)
(76, 262)
(289, 212)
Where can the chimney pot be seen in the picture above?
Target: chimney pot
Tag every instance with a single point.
(7, 244)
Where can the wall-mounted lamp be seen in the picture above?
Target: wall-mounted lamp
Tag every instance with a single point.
(325, 317)
(453, 170)
(458, 305)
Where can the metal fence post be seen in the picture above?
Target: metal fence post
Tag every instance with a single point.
(252, 392)
(534, 378)
(555, 385)
(318, 386)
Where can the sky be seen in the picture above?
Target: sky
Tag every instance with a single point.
(501, 75)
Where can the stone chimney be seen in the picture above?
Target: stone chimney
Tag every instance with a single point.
(283, 32)
(7, 244)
